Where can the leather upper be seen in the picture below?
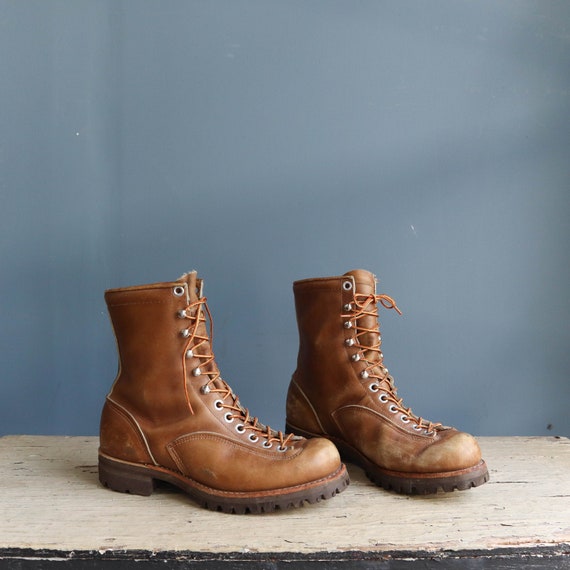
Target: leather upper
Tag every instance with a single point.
(168, 406)
(341, 388)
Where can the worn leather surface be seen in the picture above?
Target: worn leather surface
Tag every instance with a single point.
(156, 412)
(328, 396)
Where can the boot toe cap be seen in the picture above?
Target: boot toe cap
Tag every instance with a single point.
(320, 458)
(457, 451)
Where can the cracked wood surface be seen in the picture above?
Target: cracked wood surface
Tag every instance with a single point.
(51, 500)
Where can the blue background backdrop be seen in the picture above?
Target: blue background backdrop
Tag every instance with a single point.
(264, 141)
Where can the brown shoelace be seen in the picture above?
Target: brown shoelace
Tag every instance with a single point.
(199, 346)
(367, 306)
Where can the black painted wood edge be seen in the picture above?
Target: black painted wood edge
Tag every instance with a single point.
(554, 551)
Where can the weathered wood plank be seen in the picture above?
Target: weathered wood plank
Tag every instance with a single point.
(51, 501)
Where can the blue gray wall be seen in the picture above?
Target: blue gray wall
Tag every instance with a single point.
(264, 141)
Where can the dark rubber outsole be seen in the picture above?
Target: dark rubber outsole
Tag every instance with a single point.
(406, 483)
(138, 479)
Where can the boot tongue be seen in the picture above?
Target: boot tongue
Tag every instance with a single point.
(365, 284)
(364, 280)
(194, 285)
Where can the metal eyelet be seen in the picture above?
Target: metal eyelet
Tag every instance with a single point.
(405, 419)
(267, 444)
(189, 353)
(182, 314)
(430, 433)
(349, 342)
(196, 372)
(355, 357)
(393, 409)
(218, 404)
(205, 389)
(348, 307)
(228, 417)
(185, 333)
(374, 387)
(178, 291)
(282, 449)
(347, 324)
(252, 437)
(383, 398)
(417, 428)
(364, 374)
(347, 285)
(240, 428)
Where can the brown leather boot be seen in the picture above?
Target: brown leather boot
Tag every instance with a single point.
(170, 416)
(342, 390)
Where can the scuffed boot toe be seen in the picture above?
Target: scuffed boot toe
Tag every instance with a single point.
(454, 453)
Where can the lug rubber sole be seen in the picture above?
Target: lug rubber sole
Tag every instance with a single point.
(402, 482)
(138, 479)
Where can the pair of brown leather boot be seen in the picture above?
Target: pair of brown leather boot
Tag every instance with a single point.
(171, 417)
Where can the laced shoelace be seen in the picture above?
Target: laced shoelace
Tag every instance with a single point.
(367, 306)
(199, 346)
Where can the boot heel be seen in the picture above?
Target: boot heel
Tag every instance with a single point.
(125, 478)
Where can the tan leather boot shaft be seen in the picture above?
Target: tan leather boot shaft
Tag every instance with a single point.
(170, 416)
(342, 390)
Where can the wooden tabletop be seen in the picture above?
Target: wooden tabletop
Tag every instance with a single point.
(53, 506)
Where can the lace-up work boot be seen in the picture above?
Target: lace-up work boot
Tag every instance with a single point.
(170, 416)
(342, 390)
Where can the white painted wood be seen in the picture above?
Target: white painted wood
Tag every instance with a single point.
(50, 498)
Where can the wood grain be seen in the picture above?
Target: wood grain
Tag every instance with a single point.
(51, 500)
